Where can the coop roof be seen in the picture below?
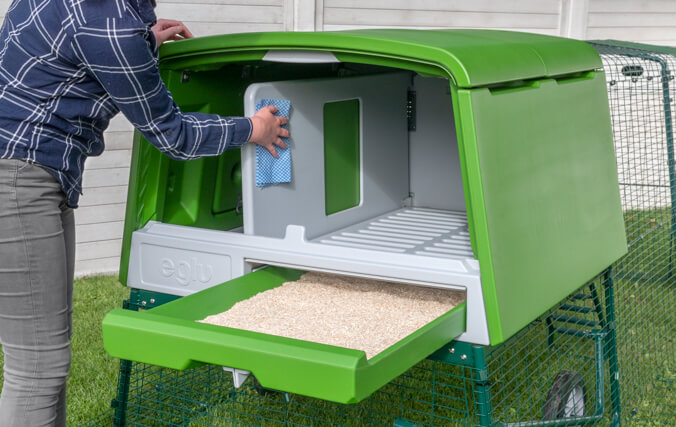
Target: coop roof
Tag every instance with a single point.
(471, 58)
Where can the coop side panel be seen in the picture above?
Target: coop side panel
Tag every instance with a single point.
(550, 188)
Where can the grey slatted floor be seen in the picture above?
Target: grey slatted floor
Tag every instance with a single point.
(419, 231)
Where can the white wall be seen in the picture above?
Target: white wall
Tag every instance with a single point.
(101, 215)
(541, 16)
(644, 21)
(207, 17)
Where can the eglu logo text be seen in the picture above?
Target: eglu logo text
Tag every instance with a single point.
(186, 272)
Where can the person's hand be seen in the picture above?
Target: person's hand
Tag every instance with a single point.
(168, 29)
(267, 129)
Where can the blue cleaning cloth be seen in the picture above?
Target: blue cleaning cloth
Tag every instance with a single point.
(268, 169)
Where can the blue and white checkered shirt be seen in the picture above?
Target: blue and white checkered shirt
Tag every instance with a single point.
(68, 66)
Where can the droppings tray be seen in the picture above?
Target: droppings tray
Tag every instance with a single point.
(345, 311)
(170, 336)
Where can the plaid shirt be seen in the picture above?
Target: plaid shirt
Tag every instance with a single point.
(68, 66)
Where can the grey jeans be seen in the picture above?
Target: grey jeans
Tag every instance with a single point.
(37, 248)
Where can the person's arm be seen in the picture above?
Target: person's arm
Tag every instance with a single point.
(121, 59)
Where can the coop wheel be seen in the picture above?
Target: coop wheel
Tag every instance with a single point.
(566, 397)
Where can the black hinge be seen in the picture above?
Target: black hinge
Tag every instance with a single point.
(410, 109)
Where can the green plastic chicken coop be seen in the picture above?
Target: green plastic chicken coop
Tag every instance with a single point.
(480, 161)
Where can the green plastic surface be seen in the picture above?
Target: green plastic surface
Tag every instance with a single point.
(548, 215)
(170, 336)
(342, 175)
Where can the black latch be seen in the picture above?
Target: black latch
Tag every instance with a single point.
(410, 109)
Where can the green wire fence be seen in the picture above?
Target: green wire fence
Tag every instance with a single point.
(603, 356)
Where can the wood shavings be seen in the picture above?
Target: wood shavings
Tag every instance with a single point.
(351, 312)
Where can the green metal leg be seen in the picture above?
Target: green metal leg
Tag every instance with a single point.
(120, 402)
(481, 386)
(471, 356)
(611, 348)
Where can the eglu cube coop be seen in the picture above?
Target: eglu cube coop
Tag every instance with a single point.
(478, 161)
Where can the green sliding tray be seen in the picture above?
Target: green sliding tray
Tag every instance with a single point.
(170, 336)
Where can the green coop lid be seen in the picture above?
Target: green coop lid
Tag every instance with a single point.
(472, 58)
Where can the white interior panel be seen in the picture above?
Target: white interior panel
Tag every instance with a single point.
(384, 154)
(436, 179)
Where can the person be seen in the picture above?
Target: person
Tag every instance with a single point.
(66, 68)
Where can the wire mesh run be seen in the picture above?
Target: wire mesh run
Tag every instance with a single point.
(641, 87)
(604, 355)
(431, 393)
(535, 374)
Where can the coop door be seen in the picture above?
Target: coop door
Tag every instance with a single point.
(552, 208)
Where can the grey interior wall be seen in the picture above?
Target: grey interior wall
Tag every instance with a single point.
(384, 154)
(436, 179)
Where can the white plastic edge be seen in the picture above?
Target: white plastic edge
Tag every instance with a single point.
(300, 56)
(238, 375)
(206, 249)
